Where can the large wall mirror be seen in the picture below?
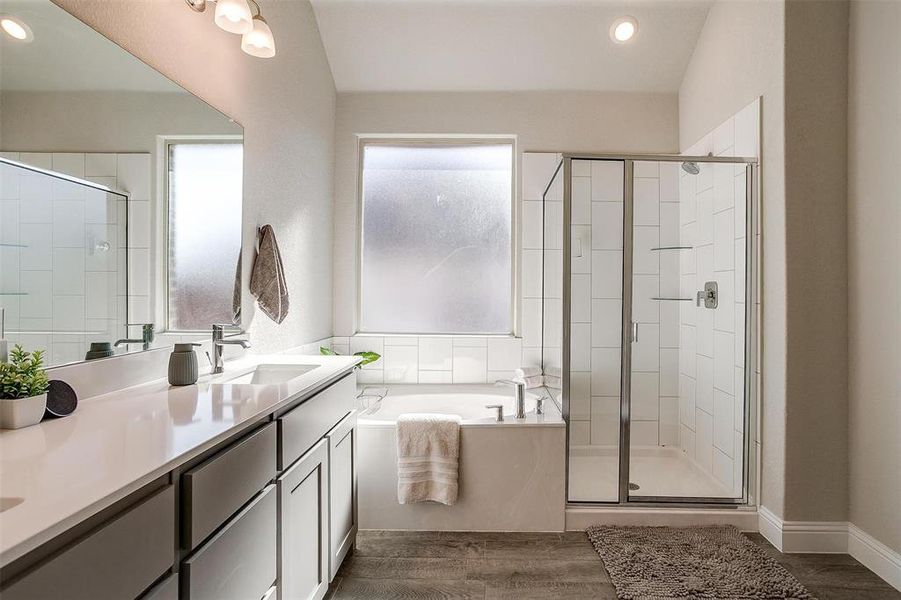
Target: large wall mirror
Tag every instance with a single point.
(120, 195)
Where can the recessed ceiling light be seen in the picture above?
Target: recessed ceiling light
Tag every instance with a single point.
(16, 28)
(623, 29)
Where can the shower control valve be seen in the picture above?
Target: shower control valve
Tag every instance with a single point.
(709, 295)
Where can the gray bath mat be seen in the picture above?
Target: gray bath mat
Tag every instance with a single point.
(673, 563)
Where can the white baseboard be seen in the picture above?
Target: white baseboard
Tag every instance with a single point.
(830, 537)
(875, 555)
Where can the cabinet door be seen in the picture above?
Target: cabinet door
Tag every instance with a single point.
(342, 468)
(303, 492)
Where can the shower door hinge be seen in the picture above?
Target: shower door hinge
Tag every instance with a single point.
(709, 295)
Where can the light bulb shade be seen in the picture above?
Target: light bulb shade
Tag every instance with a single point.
(234, 16)
(259, 42)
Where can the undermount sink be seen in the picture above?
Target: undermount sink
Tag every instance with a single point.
(269, 374)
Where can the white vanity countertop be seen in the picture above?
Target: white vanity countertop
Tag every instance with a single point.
(66, 470)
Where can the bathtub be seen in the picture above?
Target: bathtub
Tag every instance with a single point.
(512, 473)
(467, 401)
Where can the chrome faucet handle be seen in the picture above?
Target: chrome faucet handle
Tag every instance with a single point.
(539, 405)
(500, 411)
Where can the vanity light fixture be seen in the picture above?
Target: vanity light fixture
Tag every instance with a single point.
(623, 29)
(236, 16)
(259, 42)
(16, 28)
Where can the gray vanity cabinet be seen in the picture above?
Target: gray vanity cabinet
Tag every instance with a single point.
(121, 559)
(167, 589)
(239, 561)
(304, 500)
(342, 442)
(214, 490)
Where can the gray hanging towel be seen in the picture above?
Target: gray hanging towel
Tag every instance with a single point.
(236, 292)
(267, 281)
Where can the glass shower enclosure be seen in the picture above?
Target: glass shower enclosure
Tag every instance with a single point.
(649, 316)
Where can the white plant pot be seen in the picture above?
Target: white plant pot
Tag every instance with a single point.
(22, 412)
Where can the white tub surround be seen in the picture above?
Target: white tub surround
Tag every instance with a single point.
(69, 469)
(512, 473)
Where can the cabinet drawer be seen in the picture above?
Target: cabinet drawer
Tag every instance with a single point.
(165, 590)
(305, 425)
(239, 562)
(120, 560)
(215, 489)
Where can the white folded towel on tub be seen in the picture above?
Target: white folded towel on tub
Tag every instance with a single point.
(535, 381)
(428, 453)
(526, 372)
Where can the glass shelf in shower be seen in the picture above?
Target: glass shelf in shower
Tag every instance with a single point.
(672, 299)
(671, 248)
(3, 245)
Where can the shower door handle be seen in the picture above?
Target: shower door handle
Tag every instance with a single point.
(634, 332)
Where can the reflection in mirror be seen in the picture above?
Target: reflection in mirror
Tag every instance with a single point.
(204, 194)
(120, 196)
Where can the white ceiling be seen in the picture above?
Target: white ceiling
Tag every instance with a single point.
(507, 45)
(67, 55)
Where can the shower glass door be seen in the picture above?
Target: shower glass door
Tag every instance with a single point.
(593, 325)
(686, 288)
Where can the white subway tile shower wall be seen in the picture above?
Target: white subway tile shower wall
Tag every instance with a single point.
(475, 359)
(598, 360)
(77, 293)
(711, 358)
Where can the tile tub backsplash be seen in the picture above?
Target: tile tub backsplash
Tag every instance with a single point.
(439, 359)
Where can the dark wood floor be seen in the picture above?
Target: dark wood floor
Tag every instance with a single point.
(525, 566)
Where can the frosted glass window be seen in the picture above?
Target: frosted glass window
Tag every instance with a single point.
(436, 238)
(204, 193)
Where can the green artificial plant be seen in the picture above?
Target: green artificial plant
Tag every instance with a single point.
(23, 376)
(368, 357)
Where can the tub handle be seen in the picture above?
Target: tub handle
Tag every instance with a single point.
(500, 411)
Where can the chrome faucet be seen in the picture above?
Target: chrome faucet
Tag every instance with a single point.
(520, 395)
(218, 342)
(147, 335)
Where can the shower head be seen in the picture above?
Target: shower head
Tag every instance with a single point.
(691, 168)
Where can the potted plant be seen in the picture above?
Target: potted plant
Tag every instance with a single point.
(368, 357)
(23, 389)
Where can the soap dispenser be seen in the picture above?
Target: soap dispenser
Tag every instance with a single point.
(183, 365)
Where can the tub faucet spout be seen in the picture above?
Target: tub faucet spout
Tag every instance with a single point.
(520, 395)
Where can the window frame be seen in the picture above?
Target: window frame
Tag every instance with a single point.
(163, 252)
(426, 140)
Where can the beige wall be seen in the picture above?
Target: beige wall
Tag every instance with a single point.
(107, 121)
(739, 57)
(874, 248)
(549, 121)
(794, 56)
(287, 107)
(816, 102)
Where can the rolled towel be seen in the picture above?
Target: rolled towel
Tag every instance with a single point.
(524, 372)
(428, 453)
(535, 381)
(553, 382)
